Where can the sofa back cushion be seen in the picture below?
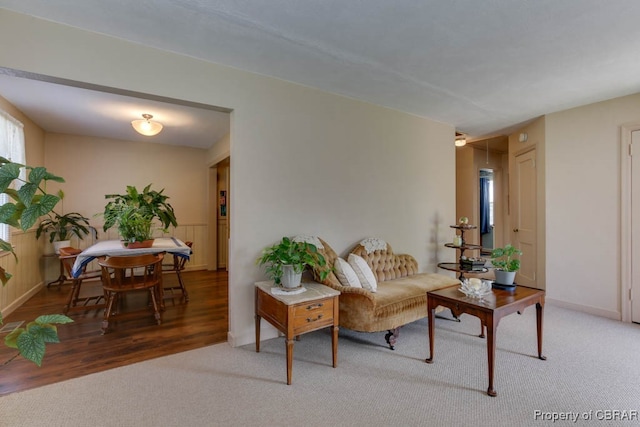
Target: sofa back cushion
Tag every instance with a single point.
(383, 262)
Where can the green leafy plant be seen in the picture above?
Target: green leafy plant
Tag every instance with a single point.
(297, 254)
(62, 227)
(503, 258)
(27, 204)
(31, 340)
(134, 225)
(133, 213)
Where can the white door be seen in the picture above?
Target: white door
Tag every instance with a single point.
(635, 227)
(524, 218)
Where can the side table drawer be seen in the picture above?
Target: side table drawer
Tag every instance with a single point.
(273, 310)
(313, 315)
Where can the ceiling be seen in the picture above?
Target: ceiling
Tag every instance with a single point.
(485, 67)
(69, 108)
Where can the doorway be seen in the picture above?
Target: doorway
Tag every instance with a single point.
(487, 221)
(222, 214)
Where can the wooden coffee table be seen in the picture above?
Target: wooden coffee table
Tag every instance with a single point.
(489, 310)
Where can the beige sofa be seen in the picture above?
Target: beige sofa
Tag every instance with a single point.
(401, 295)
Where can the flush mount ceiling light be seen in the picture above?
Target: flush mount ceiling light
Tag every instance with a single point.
(146, 126)
(461, 141)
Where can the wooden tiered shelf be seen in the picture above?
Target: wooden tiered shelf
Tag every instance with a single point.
(464, 246)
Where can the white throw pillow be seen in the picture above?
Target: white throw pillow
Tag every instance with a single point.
(345, 274)
(364, 273)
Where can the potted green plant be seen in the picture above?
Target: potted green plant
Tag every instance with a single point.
(285, 261)
(133, 214)
(25, 207)
(503, 259)
(62, 227)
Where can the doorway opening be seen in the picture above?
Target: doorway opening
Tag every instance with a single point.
(487, 221)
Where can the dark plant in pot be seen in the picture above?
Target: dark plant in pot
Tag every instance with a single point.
(134, 212)
(287, 260)
(62, 227)
(503, 259)
(25, 207)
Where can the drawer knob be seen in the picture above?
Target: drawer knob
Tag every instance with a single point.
(314, 306)
(309, 320)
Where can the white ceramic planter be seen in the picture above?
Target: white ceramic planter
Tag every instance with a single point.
(60, 244)
(290, 279)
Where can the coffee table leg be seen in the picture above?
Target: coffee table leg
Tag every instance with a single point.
(431, 321)
(539, 320)
(491, 353)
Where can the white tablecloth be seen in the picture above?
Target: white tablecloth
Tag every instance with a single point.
(116, 248)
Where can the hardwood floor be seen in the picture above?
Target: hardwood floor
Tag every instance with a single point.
(83, 350)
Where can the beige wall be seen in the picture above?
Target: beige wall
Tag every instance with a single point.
(302, 161)
(583, 204)
(94, 167)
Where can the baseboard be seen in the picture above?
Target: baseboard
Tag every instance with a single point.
(195, 267)
(585, 309)
(249, 337)
(17, 303)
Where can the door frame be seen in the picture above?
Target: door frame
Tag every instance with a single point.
(514, 200)
(625, 219)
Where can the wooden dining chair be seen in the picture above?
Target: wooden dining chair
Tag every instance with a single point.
(123, 274)
(68, 257)
(177, 266)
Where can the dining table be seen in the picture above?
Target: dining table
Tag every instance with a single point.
(171, 245)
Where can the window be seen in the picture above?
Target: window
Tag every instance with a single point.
(12, 148)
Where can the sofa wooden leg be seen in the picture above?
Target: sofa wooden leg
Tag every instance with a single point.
(391, 337)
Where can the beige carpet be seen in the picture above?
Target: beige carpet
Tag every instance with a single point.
(593, 365)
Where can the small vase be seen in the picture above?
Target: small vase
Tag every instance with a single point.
(290, 279)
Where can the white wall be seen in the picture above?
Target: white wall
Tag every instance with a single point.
(583, 204)
(302, 161)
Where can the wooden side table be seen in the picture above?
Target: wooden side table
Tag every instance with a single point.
(296, 314)
(61, 277)
(489, 310)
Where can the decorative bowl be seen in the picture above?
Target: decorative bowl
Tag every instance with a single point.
(475, 288)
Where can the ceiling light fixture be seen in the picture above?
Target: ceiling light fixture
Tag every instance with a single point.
(461, 141)
(146, 126)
